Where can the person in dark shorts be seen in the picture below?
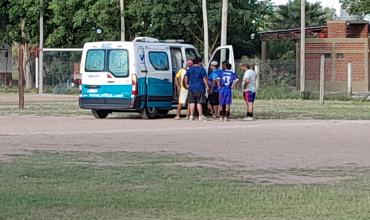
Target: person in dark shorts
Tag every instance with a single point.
(197, 83)
(214, 95)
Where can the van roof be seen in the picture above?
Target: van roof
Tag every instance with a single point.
(128, 43)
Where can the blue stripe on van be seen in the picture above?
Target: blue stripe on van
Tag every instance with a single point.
(106, 91)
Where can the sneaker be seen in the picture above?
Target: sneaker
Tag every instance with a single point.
(248, 119)
(187, 118)
(177, 118)
(221, 119)
(191, 118)
(202, 118)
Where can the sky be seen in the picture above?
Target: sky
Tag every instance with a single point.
(325, 3)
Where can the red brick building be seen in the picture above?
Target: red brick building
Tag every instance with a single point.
(343, 43)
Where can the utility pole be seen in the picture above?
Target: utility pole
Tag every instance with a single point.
(122, 9)
(206, 38)
(303, 47)
(41, 46)
(225, 4)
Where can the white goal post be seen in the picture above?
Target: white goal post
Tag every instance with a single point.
(39, 69)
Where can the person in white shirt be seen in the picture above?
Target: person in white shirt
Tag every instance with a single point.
(249, 87)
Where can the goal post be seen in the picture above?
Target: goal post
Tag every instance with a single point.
(39, 69)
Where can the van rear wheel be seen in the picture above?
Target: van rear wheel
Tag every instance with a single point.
(100, 114)
(149, 113)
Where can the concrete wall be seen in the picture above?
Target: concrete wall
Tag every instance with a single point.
(4, 67)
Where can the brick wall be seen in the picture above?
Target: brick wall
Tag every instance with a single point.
(337, 29)
(358, 67)
(313, 67)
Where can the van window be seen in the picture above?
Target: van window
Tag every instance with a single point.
(191, 53)
(176, 58)
(159, 60)
(118, 63)
(95, 60)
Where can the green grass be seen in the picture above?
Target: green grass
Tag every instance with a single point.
(47, 185)
(62, 108)
(306, 109)
(265, 109)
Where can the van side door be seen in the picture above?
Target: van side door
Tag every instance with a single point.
(159, 77)
(223, 53)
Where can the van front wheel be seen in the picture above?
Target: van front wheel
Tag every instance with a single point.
(100, 114)
(149, 113)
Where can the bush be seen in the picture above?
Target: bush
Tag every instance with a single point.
(278, 92)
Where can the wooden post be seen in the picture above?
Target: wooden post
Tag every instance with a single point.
(322, 79)
(349, 80)
(263, 59)
(297, 63)
(20, 79)
(257, 70)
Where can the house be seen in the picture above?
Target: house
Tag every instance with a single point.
(5, 64)
(342, 42)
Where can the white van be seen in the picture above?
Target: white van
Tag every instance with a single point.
(135, 76)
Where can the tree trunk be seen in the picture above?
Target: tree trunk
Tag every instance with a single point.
(205, 27)
(26, 56)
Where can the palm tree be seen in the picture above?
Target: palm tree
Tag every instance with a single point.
(288, 15)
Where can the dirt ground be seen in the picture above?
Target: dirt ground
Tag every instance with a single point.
(275, 144)
(262, 144)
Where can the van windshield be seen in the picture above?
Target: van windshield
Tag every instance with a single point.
(113, 61)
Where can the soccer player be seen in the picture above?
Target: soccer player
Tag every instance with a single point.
(214, 95)
(197, 83)
(226, 83)
(249, 86)
(183, 91)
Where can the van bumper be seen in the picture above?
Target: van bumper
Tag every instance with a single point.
(117, 104)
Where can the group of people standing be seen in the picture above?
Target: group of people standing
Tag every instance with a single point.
(197, 89)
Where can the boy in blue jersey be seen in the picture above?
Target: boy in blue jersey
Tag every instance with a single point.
(214, 95)
(226, 83)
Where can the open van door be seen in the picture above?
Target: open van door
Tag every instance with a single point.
(223, 53)
(158, 80)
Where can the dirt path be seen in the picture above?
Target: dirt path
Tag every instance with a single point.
(257, 145)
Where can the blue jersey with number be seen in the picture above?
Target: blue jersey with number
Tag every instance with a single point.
(227, 78)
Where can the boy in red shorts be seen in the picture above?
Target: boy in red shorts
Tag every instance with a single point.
(249, 93)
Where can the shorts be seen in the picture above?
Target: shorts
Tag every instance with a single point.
(197, 97)
(226, 97)
(249, 96)
(214, 98)
(183, 96)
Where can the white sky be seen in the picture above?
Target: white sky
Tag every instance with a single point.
(325, 3)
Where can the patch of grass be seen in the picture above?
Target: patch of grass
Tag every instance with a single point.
(306, 109)
(47, 185)
(45, 109)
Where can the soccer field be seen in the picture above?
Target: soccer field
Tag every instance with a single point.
(67, 165)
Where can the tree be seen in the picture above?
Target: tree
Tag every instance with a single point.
(361, 7)
(288, 16)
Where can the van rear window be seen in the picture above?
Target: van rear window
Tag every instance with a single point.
(95, 60)
(118, 63)
(114, 61)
